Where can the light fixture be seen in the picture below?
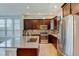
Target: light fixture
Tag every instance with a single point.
(27, 7)
(55, 6)
(28, 13)
(43, 17)
(48, 17)
(39, 13)
(51, 13)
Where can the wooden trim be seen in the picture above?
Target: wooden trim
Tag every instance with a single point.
(70, 9)
(63, 8)
(36, 19)
(62, 12)
(63, 5)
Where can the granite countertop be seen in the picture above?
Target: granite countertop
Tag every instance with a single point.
(26, 42)
(37, 32)
(54, 34)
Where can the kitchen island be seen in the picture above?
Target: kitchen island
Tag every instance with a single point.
(30, 42)
(29, 46)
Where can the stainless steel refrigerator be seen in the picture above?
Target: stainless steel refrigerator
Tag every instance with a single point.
(68, 37)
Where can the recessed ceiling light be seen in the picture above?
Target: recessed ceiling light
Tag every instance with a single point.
(28, 13)
(39, 13)
(48, 17)
(51, 13)
(55, 6)
(27, 7)
(43, 17)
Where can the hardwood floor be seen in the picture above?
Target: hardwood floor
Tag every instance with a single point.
(47, 50)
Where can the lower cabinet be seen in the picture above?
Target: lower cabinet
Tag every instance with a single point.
(27, 52)
(52, 39)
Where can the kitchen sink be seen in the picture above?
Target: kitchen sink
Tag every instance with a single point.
(32, 40)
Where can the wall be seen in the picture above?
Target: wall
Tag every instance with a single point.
(76, 35)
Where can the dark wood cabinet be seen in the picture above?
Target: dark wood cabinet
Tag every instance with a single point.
(52, 39)
(27, 24)
(55, 23)
(27, 52)
(35, 23)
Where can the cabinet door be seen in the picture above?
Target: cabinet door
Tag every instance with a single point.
(27, 52)
(66, 9)
(75, 8)
(36, 24)
(27, 24)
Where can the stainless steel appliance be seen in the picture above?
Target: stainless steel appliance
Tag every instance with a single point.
(44, 34)
(68, 42)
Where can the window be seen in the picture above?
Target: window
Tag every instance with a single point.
(2, 24)
(2, 33)
(2, 41)
(2, 51)
(16, 24)
(10, 42)
(2, 27)
(9, 32)
(17, 33)
(17, 41)
(9, 24)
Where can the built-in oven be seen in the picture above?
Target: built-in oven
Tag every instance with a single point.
(43, 34)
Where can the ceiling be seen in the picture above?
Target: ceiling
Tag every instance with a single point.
(30, 10)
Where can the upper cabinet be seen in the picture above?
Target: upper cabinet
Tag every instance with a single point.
(70, 8)
(34, 24)
(66, 9)
(75, 8)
